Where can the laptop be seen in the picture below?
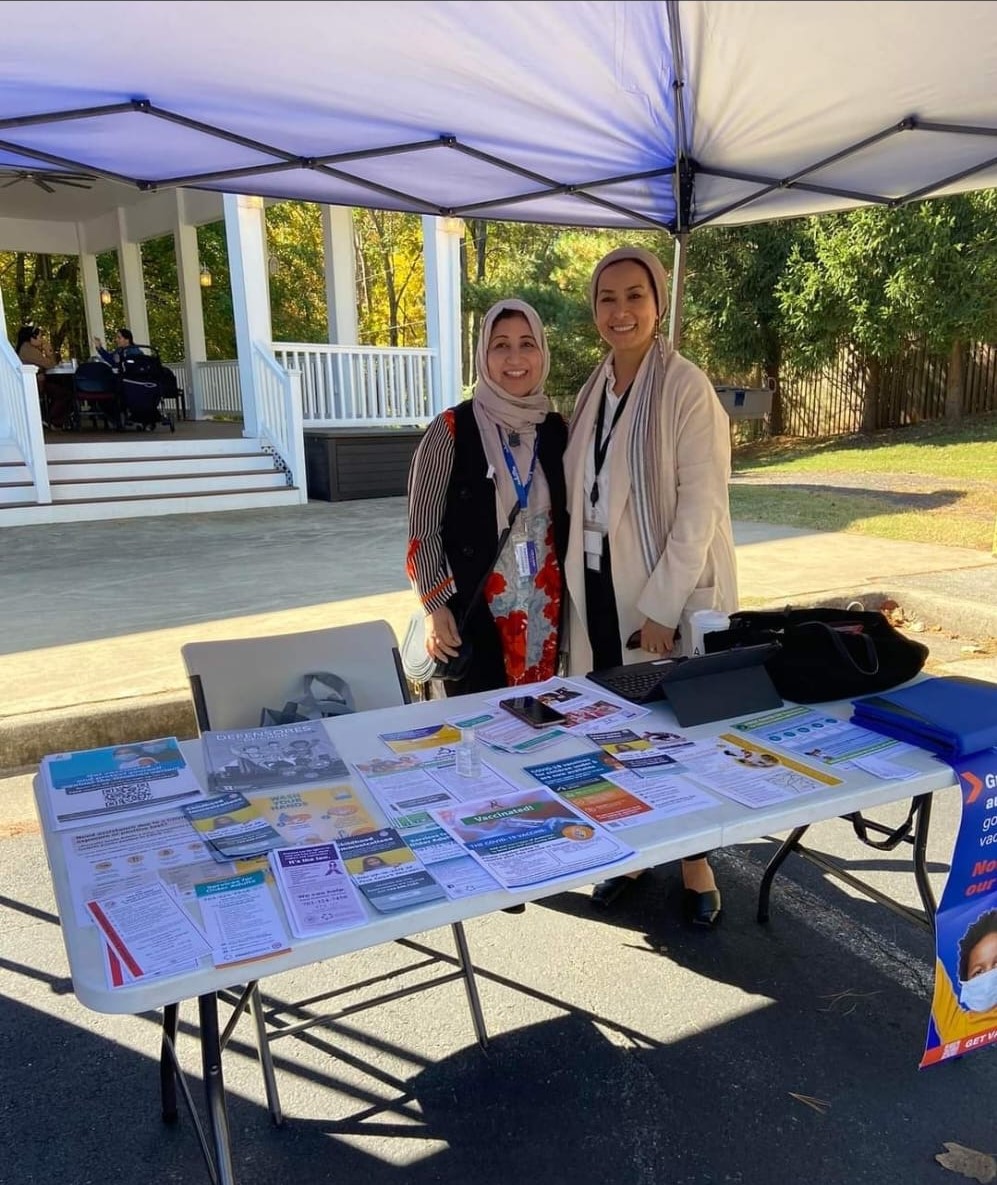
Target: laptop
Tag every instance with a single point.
(700, 689)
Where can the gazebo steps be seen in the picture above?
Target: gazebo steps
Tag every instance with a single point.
(129, 477)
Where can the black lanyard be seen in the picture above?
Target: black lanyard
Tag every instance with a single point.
(602, 446)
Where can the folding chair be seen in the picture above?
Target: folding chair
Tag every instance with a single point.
(230, 681)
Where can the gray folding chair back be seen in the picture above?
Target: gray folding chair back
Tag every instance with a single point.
(232, 680)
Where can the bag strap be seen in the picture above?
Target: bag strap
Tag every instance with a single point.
(839, 645)
(503, 539)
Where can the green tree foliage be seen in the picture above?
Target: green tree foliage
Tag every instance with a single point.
(297, 272)
(390, 278)
(882, 279)
(45, 290)
(733, 320)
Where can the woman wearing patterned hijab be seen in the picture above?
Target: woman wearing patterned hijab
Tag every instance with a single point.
(475, 463)
(648, 462)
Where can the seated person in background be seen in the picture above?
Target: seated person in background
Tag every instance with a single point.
(33, 350)
(124, 340)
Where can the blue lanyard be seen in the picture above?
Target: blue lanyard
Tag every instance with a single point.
(522, 491)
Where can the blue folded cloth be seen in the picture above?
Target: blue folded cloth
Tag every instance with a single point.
(951, 715)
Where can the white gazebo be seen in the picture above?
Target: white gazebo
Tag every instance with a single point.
(278, 390)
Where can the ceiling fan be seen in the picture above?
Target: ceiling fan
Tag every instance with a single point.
(46, 180)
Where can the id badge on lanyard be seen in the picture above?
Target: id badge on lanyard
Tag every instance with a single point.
(527, 564)
(526, 561)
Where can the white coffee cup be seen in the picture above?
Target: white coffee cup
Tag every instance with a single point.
(702, 622)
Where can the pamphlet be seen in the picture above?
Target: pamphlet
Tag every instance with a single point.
(149, 930)
(749, 773)
(582, 710)
(612, 795)
(232, 827)
(504, 732)
(317, 892)
(529, 836)
(824, 739)
(310, 816)
(648, 754)
(426, 740)
(387, 871)
(116, 782)
(585, 782)
(119, 856)
(241, 920)
(251, 759)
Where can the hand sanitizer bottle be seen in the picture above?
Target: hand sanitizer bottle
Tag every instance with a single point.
(468, 755)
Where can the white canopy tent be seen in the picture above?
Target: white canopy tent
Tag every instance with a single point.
(605, 113)
(598, 112)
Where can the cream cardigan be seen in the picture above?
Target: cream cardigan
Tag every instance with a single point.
(697, 569)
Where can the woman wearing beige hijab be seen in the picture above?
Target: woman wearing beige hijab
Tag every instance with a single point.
(476, 462)
(647, 464)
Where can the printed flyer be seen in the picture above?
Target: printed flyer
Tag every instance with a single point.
(117, 781)
(530, 836)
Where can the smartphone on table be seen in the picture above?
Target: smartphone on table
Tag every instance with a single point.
(532, 711)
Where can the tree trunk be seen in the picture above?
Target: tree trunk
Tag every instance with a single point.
(873, 386)
(770, 370)
(954, 382)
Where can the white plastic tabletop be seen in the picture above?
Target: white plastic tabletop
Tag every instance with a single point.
(356, 737)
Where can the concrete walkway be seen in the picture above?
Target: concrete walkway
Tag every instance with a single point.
(95, 613)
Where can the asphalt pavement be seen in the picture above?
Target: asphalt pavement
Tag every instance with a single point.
(624, 1048)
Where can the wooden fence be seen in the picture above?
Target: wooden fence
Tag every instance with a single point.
(911, 390)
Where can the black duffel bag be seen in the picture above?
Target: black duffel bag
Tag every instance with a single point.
(826, 654)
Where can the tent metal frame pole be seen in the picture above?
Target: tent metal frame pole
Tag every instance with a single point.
(678, 290)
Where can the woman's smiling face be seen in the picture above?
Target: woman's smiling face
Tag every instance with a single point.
(626, 312)
(515, 361)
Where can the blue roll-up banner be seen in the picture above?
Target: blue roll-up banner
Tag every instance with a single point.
(964, 1007)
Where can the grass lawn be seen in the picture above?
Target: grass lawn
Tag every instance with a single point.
(928, 484)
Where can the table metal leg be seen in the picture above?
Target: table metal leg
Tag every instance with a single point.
(773, 866)
(266, 1057)
(470, 984)
(167, 1069)
(923, 822)
(214, 1088)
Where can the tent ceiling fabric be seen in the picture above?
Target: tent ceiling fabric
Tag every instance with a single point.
(539, 112)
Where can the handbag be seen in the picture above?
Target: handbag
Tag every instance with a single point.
(417, 663)
(826, 654)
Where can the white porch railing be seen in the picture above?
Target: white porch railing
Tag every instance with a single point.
(278, 416)
(354, 385)
(21, 417)
(220, 391)
(341, 386)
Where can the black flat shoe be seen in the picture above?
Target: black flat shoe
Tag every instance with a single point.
(608, 891)
(703, 910)
(521, 908)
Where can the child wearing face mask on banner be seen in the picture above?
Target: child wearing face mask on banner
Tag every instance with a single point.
(964, 1006)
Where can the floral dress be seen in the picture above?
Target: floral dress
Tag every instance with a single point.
(527, 611)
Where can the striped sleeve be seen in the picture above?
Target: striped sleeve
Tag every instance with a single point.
(426, 564)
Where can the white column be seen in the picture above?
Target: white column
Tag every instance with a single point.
(340, 275)
(93, 310)
(132, 283)
(441, 239)
(191, 310)
(245, 234)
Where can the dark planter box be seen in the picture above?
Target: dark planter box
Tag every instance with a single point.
(346, 464)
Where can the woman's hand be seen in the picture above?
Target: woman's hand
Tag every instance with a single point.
(658, 639)
(442, 638)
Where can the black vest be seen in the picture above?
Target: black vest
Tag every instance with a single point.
(470, 534)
